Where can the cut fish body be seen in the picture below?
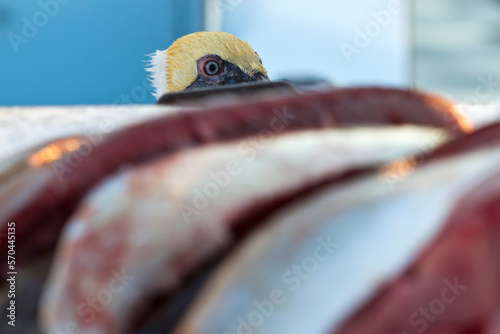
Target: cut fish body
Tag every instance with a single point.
(332, 254)
(161, 220)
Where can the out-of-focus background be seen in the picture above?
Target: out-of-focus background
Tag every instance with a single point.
(456, 49)
(65, 52)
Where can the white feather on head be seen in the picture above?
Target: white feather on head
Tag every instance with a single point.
(157, 67)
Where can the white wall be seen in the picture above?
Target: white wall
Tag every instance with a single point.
(297, 37)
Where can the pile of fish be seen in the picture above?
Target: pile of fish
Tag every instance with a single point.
(361, 210)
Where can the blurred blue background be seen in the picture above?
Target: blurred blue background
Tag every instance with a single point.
(89, 52)
(66, 52)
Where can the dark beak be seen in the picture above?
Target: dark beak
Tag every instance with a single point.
(259, 77)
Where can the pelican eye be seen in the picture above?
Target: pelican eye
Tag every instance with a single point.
(211, 68)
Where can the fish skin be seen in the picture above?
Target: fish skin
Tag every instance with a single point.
(132, 221)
